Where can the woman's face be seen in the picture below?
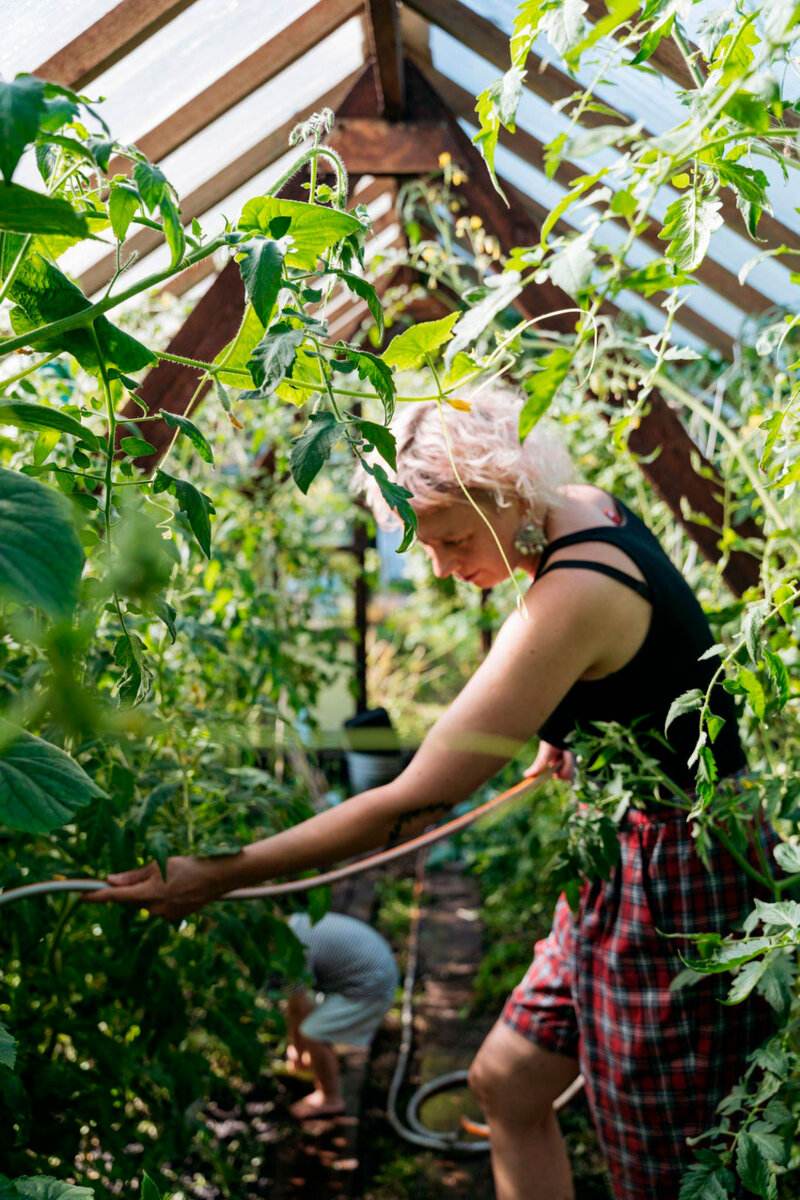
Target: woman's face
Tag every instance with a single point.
(458, 542)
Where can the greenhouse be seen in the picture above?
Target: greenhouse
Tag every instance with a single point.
(399, 600)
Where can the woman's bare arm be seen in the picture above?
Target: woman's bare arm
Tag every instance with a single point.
(529, 669)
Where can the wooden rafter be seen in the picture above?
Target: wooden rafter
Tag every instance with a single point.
(667, 452)
(369, 144)
(108, 40)
(483, 37)
(387, 50)
(213, 191)
(170, 386)
(527, 147)
(241, 81)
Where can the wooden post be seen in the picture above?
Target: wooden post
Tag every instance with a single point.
(387, 50)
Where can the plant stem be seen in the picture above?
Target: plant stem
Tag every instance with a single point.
(4, 383)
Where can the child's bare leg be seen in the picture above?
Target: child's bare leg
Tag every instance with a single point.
(326, 1099)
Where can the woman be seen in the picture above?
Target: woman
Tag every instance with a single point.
(611, 632)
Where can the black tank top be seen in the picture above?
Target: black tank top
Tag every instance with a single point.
(665, 666)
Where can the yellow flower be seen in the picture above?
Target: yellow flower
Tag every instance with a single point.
(458, 177)
(428, 254)
(460, 405)
(475, 222)
(444, 159)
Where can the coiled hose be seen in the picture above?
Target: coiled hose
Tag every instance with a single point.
(413, 1130)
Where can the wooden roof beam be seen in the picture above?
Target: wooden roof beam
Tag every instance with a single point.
(280, 52)
(213, 191)
(386, 45)
(108, 40)
(483, 37)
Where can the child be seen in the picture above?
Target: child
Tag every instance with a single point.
(353, 972)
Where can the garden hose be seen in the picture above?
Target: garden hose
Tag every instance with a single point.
(414, 1131)
(303, 885)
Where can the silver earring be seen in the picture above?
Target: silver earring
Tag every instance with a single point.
(530, 539)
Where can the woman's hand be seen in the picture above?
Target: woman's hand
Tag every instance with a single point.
(560, 763)
(190, 883)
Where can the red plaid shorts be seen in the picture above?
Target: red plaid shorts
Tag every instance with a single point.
(656, 1063)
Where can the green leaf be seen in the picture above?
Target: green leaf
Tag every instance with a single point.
(748, 110)
(187, 427)
(778, 674)
(44, 294)
(686, 703)
(26, 211)
(261, 265)
(618, 12)
(496, 107)
(312, 227)
(173, 228)
(657, 276)
(688, 223)
(707, 1181)
(123, 205)
(714, 725)
(652, 40)
(381, 438)
(785, 914)
(565, 26)
(158, 848)
(472, 323)
(152, 184)
(238, 352)
(571, 268)
(22, 107)
(376, 371)
(746, 979)
(397, 497)
(313, 447)
(23, 415)
(195, 504)
(526, 26)
(137, 447)
(41, 787)
(753, 1167)
(787, 856)
(149, 1189)
(577, 188)
(753, 690)
(409, 348)
(40, 556)
(751, 628)
(364, 289)
(542, 386)
(44, 1187)
(272, 359)
(8, 1048)
(777, 984)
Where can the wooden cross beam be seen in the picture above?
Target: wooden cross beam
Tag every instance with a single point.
(108, 40)
(660, 433)
(387, 51)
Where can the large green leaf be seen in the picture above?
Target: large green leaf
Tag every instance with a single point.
(26, 211)
(364, 289)
(237, 353)
(44, 294)
(38, 416)
(41, 787)
(273, 357)
(312, 448)
(22, 106)
(408, 349)
(313, 228)
(44, 1187)
(195, 436)
(688, 223)
(40, 556)
(375, 371)
(542, 386)
(8, 1047)
(123, 204)
(261, 265)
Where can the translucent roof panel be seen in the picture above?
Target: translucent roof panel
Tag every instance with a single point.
(33, 30)
(185, 57)
(728, 245)
(238, 131)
